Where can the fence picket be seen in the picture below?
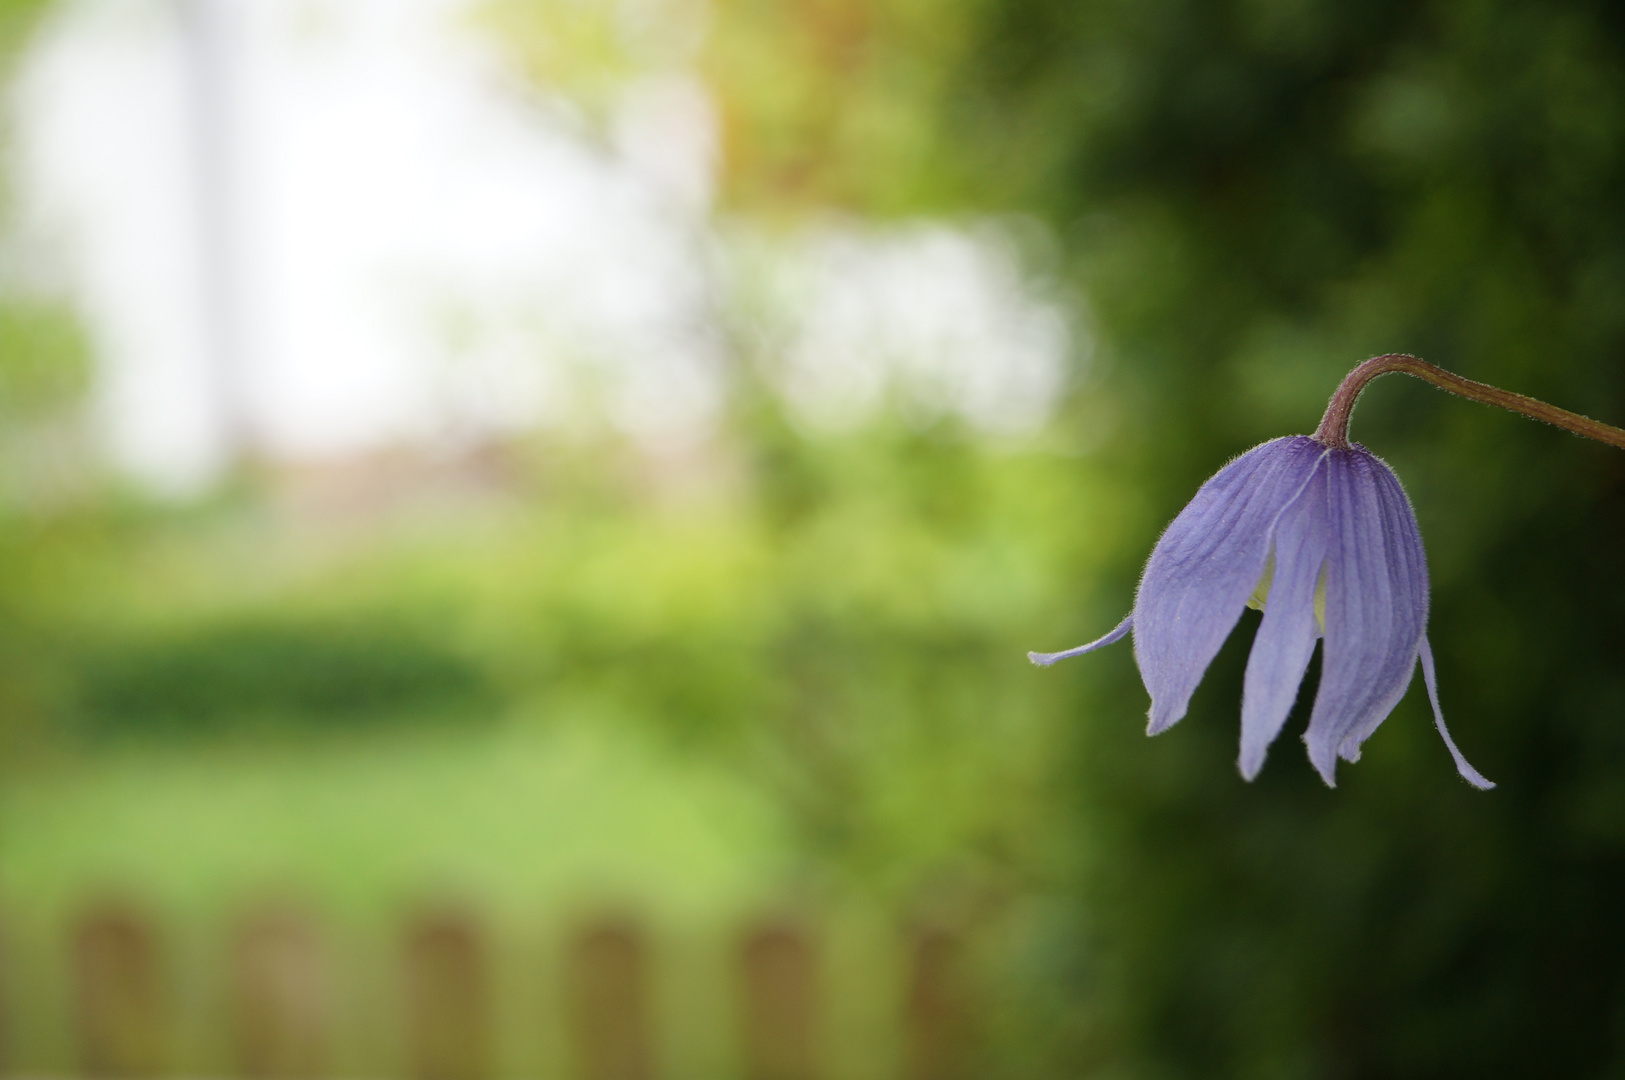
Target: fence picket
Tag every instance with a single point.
(938, 1019)
(119, 993)
(778, 969)
(281, 1001)
(607, 998)
(448, 999)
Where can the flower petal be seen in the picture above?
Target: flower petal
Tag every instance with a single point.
(1286, 637)
(1408, 559)
(1045, 659)
(1376, 606)
(1468, 773)
(1206, 565)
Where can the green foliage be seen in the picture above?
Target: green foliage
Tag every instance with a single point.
(1257, 195)
(844, 616)
(44, 360)
(287, 673)
(588, 51)
(826, 104)
(697, 699)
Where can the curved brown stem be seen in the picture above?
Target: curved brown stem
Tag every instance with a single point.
(1334, 426)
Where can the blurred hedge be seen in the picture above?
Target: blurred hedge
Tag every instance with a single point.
(278, 674)
(1259, 194)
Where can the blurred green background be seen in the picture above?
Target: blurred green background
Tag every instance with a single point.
(793, 678)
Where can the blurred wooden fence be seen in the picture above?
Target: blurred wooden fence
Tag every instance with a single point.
(281, 1011)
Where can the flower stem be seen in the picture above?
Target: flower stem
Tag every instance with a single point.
(1334, 426)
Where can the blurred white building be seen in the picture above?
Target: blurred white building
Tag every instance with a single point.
(313, 228)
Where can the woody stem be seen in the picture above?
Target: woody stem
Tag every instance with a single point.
(1334, 426)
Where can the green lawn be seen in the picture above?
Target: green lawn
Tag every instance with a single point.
(531, 824)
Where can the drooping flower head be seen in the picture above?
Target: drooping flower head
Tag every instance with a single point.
(1325, 542)
(1318, 533)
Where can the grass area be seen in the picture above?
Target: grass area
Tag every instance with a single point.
(531, 825)
(799, 691)
(512, 813)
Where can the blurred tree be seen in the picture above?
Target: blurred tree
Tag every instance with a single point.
(1259, 193)
(44, 359)
(829, 103)
(17, 21)
(861, 633)
(588, 52)
(44, 459)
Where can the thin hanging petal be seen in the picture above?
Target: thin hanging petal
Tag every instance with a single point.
(1286, 636)
(1045, 659)
(1206, 565)
(1376, 605)
(1468, 773)
(1408, 561)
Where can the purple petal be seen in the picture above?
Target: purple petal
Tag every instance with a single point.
(1206, 565)
(1408, 559)
(1468, 773)
(1286, 637)
(1045, 659)
(1376, 606)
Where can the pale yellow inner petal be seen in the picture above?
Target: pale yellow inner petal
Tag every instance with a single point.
(1261, 591)
(1320, 600)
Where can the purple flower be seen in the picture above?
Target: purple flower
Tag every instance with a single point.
(1325, 542)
